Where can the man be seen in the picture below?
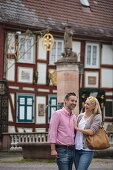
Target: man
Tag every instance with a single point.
(61, 133)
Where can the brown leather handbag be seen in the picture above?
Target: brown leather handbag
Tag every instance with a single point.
(99, 140)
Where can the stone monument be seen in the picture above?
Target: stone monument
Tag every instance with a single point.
(67, 70)
(68, 44)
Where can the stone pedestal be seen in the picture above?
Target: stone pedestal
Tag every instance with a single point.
(35, 150)
(67, 79)
(6, 143)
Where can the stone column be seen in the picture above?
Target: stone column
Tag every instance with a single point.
(67, 79)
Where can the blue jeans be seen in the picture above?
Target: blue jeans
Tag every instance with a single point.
(82, 159)
(65, 158)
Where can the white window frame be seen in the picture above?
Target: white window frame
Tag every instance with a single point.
(51, 59)
(97, 56)
(23, 58)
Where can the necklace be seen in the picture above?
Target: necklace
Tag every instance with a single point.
(87, 116)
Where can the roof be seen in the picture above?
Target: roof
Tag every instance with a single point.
(96, 21)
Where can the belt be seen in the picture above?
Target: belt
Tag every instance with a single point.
(66, 146)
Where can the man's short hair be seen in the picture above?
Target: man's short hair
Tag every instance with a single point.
(69, 94)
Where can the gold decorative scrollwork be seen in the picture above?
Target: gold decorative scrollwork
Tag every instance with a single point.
(47, 42)
(53, 77)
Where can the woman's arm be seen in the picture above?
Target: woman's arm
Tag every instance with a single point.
(85, 131)
(94, 126)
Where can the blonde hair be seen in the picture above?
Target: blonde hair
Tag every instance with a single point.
(95, 102)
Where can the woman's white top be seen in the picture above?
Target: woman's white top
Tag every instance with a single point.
(79, 135)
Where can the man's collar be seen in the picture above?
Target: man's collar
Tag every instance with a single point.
(66, 112)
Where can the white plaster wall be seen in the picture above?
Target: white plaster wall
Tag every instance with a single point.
(44, 90)
(54, 91)
(106, 124)
(106, 78)
(76, 45)
(109, 93)
(13, 87)
(41, 51)
(11, 43)
(107, 54)
(28, 88)
(10, 70)
(40, 130)
(12, 98)
(10, 117)
(21, 130)
(40, 119)
(41, 73)
(11, 129)
(29, 71)
(88, 74)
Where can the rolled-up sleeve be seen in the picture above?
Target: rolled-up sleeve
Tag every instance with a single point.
(53, 128)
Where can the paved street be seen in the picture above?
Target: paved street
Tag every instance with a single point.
(15, 162)
(96, 165)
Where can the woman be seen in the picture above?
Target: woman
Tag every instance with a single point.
(87, 124)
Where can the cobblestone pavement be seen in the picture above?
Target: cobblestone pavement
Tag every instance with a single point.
(96, 165)
(14, 162)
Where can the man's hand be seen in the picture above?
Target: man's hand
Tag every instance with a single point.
(54, 153)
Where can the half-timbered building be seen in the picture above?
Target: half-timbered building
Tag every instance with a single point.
(28, 86)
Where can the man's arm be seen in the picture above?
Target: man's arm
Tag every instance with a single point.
(53, 150)
(54, 123)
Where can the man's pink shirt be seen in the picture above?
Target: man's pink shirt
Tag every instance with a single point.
(61, 130)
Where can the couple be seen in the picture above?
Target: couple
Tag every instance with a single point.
(67, 147)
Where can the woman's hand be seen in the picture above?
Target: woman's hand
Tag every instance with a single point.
(75, 124)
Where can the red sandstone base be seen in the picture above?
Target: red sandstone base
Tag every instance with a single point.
(35, 150)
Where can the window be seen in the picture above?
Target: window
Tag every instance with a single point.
(56, 51)
(10, 48)
(92, 55)
(25, 108)
(109, 109)
(85, 3)
(52, 107)
(26, 48)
